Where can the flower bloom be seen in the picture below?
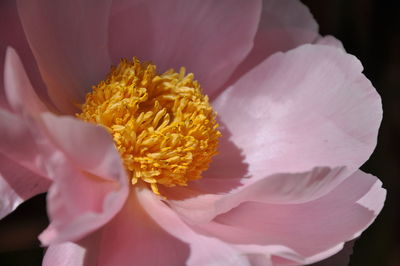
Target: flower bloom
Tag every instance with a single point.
(297, 118)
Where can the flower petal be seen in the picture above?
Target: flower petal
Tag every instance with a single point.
(198, 35)
(281, 188)
(284, 25)
(306, 108)
(69, 42)
(203, 250)
(64, 254)
(18, 142)
(330, 41)
(310, 107)
(85, 252)
(12, 34)
(18, 184)
(90, 184)
(132, 237)
(88, 146)
(314, 229)
(19, 91)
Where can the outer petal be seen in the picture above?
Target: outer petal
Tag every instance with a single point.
(12, 34)
(210, 38)
(90, 184)
(330, 41)
(281, 188)
(284, 25)
(18, 184)
(22, 174)
(64, 254)
(21, 142)
(69, 42)
(19, 91)
(308, 107)
(73, 254)
(203, 250)
(133, 238)
(22, 147)
(315, 229)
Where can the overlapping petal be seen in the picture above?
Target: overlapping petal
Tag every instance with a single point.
(284, 25)
(178, 33)
(311, 229)
(147, 226)
(90, 184)
(17, 184)
(204, 250)
(12, 34)
(291, 125)
(69, 42)
(280, 188)
(18, 142)
(311, 106)
(66, 254)
(22, 171)
(132, 236)
(19, 91)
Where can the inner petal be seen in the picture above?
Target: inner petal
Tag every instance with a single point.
(162, 125)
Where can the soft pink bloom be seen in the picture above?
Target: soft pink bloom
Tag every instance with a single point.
(298, 119)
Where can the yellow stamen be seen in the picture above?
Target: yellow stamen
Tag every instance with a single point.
(162, 125)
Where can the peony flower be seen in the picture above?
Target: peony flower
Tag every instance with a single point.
(131, 165)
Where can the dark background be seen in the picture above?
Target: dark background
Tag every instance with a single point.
(369, 29)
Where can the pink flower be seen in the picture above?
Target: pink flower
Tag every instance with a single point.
(297, 115)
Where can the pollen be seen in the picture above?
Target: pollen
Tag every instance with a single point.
(163, 126)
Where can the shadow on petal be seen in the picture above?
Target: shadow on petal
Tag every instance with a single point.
(227, 169)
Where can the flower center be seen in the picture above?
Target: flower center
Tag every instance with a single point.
(162, 125)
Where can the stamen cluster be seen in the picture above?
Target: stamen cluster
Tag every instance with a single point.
(162, 125)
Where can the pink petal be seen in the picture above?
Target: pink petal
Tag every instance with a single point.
(314, 230)
(64, 254)
(288, 188)
(284, 25)
(18, 184)
(203, 250)
(19, 91)
(90, 184)
(302, 109)
(22, 174)
(88, 146)
(132, 237)
(209, 38)
(19, 142)
(283, 188)
(287, 128)
(229, 163)
(330, 41)
(73, 254)
(69, 41)
(12, 34)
